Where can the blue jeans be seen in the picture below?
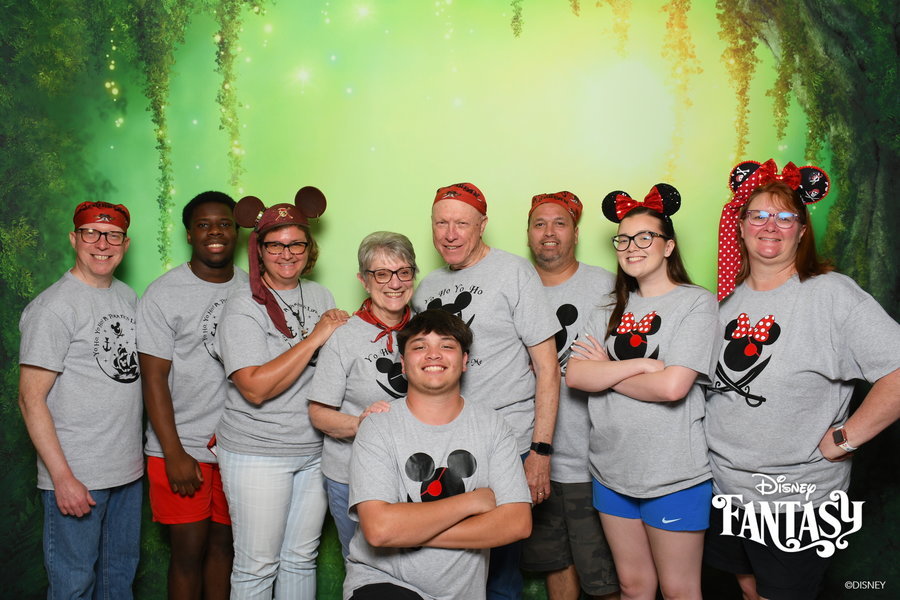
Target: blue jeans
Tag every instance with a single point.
(338, 503)
(277, 505)
(504, 579)
(94, 556)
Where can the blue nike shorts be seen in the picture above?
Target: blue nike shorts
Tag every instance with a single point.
(684, 510)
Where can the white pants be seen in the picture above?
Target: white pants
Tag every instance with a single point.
(277, 506)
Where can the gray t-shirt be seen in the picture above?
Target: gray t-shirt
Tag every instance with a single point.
(86, 334)
(177, 319)
(650, 449)
(785, 375)
(574, 300)
(397, 458)
(502, 299)
(248, 338)
(354, 371)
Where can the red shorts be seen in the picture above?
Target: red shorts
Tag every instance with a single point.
(170, 508)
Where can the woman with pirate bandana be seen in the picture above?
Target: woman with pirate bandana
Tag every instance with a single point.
(796, 336)
(269, 454)
(642, 361)
(359, 368)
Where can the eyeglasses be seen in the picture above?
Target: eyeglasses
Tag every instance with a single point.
(642, 239)
(92, 236)
(385, 275)
(784, 220)
(295, 248)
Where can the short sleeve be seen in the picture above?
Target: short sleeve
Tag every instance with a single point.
(532, 314)
(45, 338)
(154, 334)
(329, 382)
(373, 467)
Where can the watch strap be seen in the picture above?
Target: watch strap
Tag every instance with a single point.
(542, 448)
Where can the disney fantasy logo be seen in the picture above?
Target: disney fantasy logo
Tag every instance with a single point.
(823, 527)
(780, 485)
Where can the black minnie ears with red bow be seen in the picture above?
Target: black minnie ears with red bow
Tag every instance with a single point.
(309, 203)
(662, 198)
(810, 182)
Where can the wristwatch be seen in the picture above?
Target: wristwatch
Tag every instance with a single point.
(840, 439)
(542, 448)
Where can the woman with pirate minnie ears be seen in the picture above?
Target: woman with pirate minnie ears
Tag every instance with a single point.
(269, 453)
(643, 360)
(796, 336)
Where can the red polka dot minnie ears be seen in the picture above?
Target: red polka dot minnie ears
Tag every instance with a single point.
(663, 198)
(309, 203)
(811, 183)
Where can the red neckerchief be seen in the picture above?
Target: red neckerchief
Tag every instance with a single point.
(365, 313)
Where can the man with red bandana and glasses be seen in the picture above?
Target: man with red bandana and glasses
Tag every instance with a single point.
(512, 367)
(80, 396)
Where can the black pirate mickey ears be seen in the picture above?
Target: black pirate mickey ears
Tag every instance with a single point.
(309, 200)
(811, 182)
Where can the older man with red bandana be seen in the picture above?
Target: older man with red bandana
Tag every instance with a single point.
(512, 366)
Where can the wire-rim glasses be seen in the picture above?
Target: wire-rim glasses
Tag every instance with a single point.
(783, 219)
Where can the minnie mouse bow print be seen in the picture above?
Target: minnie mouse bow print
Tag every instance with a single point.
(662, 198)
(631, 336)
(744, 347)
(811, 182)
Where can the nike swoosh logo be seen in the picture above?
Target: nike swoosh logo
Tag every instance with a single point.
(667, 521)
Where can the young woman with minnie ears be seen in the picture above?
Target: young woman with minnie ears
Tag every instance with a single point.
(642, 359)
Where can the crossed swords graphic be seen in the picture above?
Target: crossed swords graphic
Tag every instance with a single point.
(742, 385)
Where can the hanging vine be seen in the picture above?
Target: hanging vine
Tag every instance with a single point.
(736, 28)
(679, 50)
(159, 29)
(575, 5)
(621, 20)
(517, 21)
(228, 15)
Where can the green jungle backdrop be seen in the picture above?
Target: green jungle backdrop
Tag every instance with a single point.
(380, 102)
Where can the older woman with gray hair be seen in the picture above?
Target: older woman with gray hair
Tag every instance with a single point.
(359, 370)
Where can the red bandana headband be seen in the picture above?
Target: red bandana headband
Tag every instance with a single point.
(309, 203)
(464, 192)
(567, 200)
(662, 198)
(811, 182)
(102, 212)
